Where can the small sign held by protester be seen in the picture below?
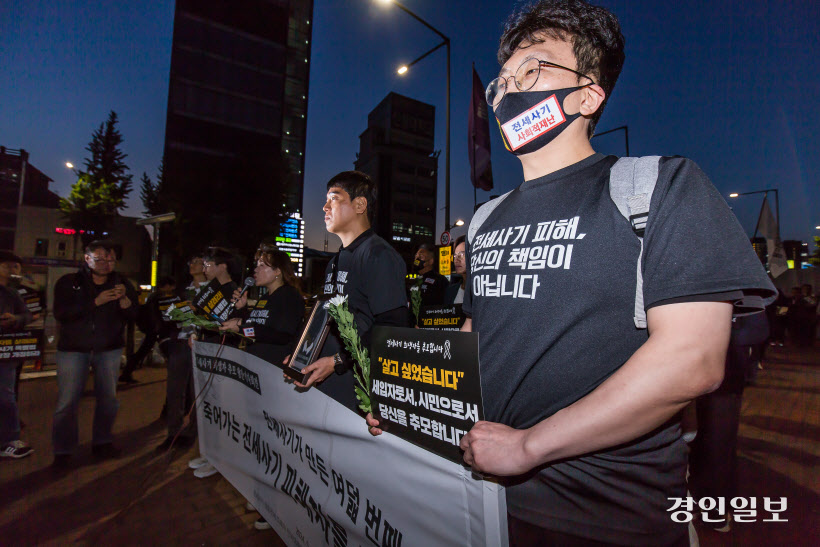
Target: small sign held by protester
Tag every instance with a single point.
(21, 345)
(426, 386)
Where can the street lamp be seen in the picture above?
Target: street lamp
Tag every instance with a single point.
(403, 70)
(457, 223)
(69, 165)
(776, 205)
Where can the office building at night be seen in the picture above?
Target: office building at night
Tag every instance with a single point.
(397, 150)
(237, 103)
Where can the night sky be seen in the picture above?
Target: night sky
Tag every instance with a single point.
(732, 85)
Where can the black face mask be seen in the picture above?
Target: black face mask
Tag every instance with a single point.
(418, 265)
(530, 120)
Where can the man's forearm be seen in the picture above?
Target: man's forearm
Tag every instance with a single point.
(665, 374)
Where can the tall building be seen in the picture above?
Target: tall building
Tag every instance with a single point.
(237, 105)
(762, 252)
(397, 150)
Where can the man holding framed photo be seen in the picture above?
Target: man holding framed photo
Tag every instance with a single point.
(367, 270)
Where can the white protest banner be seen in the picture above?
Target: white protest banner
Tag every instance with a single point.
(318, 477)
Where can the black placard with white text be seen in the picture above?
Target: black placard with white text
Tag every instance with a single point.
(26, 344)
(212, 302)
(426, 386)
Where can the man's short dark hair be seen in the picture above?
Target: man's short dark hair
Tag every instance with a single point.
(220, 255)
(98, 244)
(594, 33)
(459, 240)
(357, 184)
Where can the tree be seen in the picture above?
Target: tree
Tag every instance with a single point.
(91, 207)
(100, 191)
(149, 195)
(106, 161)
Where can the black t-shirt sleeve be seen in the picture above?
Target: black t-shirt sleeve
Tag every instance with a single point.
(728, 296)
(694, 245)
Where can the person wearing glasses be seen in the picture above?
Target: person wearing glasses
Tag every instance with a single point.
(581, 407)
(455, 291)
(222, 265)
(92, 307)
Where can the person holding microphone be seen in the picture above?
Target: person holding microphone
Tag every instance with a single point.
(273, 321)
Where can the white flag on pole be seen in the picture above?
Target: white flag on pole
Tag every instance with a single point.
(767, 226)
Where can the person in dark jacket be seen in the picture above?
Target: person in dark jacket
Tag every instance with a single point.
(92, 307)
(273, 321)
(13, 316)
(431, 283)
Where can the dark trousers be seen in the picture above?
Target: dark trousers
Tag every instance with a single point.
(180, 388)
(713, 456)
(138, 356)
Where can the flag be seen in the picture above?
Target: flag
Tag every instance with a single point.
(478, 138)
(767, 226)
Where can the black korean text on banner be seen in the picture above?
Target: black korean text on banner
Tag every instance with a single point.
(441, 317)
(228, 369)
(212, 302)
(21, 345)
(426, 386)
(305, 462)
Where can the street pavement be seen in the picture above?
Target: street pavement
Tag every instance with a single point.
(147, 499)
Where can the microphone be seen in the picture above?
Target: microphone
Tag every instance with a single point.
(247, 284)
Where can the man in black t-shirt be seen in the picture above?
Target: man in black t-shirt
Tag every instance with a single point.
(367, 270)
(432, 284)
(581, 406)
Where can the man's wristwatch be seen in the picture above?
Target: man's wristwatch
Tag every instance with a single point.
(338, 364)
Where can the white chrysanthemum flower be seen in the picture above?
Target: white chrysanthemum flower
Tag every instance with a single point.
(338, 300)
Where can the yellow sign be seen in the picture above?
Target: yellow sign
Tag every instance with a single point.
(445, 259)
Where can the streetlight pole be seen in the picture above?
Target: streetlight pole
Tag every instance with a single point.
(155, 221)
(626, 135)
(776, 205)
(402, 70)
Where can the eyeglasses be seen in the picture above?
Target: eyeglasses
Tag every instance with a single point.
(101, 258)
(459, 255)
(525, 79)
(207, 265)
